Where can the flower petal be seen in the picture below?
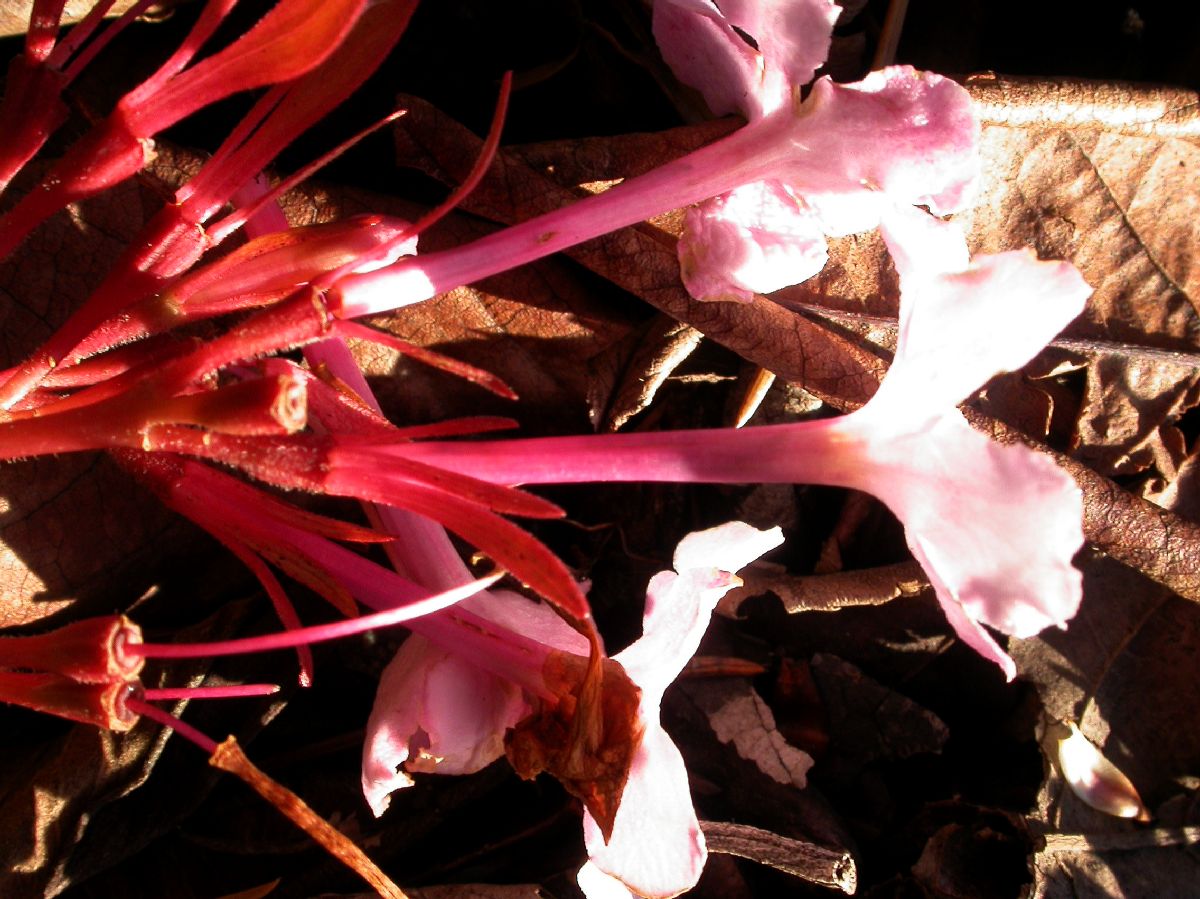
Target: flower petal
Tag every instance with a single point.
(657, 849)
(705, 52)
(679, 606)
(702, 46)
(907, 135)
(792, 35)
(757, 238)
(994, 526)
(434, 712)
(959, 327)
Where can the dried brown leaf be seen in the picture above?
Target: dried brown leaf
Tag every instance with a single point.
(661, 347)
(1103, 175)
(45, 813)
(1130, 404)
(14, 16)
(739, 717)
(868, 720)
(1181, 493)
(746, 792)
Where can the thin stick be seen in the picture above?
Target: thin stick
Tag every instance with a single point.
(808, 861)
(229, 757)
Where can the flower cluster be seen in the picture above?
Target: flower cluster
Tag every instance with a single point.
(491, 673)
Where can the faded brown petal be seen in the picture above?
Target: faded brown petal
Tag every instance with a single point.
(588, 748)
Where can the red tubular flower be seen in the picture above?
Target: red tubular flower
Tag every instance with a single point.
(88, 652)
(32, 108)
(467, 506)
(121, 418)
(294, 37)
(175, 239)
(103, 705)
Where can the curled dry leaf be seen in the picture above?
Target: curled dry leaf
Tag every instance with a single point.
(830, 592)
(634, 374)
(1131, 404)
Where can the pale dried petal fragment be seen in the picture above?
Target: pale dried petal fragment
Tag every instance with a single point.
(1096, 780)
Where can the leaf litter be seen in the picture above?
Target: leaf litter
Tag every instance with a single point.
(582, 350)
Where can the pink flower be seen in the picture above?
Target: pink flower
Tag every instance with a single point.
(440, 711)
(830, 165)
(995, 527)
(769, 234)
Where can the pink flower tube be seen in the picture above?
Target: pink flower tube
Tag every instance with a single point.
(995, 527)
(899, 137)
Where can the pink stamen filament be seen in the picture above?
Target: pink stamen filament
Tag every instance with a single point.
(487, 153)
(232, 691)
(316, 634)
(166, 719)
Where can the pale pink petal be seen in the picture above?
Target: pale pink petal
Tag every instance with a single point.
(850, 156)
(959, 328)
(970, 631)
(679, 606)
(910, 136)
(792, 35)
(704, 52)
(657, 849)
(923, 245)
(595, 884)
(434, 712)
(700, 44)
(994, 526)
(758, 238)
(728, 547)
(528, 617)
